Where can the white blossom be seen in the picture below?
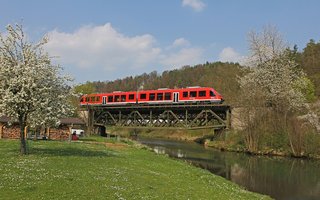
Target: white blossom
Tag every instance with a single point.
(32, 90)
(273, 73)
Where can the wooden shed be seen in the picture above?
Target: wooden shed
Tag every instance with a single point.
(64, 130)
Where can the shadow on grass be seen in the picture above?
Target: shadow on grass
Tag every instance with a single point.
(70, 151)
(88, 139)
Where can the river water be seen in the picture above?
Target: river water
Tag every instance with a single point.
(280, 178)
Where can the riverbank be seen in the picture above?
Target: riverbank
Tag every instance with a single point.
(232, 141)
(174, 134)
(105, 169)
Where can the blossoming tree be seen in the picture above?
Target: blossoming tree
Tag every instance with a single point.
(32, 90)
(275, 84)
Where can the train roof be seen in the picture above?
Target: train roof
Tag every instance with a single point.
(153, 90)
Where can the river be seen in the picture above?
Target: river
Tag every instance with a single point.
(280, 178)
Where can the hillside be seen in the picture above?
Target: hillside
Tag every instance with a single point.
(221, 76)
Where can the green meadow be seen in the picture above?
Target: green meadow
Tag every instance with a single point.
(105, 169)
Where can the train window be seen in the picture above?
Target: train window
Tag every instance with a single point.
(87, 99)
(82, 99)
(202, 93)
(160, 96)
(167, 96)
(131, 96)
(143, 96)
(123, 98)
(212, 94)
(110, 98)
(98, 99)
(116, 98)
(152, 96)
(92, 99)
(185, 94)
(193, 94)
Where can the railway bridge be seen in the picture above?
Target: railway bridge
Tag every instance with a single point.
(165, 116)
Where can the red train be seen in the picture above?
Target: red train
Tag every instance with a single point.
(191, 95)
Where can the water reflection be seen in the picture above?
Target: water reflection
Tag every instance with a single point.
(159, 150)
(280, 178)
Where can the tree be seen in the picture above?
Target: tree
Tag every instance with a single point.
(274, 87)
(32, 91)
(274, 71)
(86, 88)
(310, 61)
(265, 45)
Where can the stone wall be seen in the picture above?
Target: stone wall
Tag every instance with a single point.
(236, 120)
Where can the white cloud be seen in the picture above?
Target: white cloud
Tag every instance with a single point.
(186, 56)
(102, 46)
(103, 53)
(180, 42)
(228, 54)
(196, 5)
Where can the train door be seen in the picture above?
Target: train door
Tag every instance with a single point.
(104, 100)
(175, 97)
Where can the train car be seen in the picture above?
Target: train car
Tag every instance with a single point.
(199, 94)
(114, 98)
(190, 95)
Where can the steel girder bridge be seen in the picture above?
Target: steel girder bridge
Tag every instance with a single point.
(175, 116)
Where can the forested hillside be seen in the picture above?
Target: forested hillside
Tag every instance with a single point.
(221, 76)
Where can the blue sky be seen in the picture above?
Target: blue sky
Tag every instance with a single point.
(110, 39)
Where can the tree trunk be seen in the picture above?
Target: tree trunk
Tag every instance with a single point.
(23, 143)
(48, 133)
(289, 135)
(1, 130)
(70, 133)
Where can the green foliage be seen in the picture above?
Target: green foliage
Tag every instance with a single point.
(60, 170)
(309, 60)
(86, 88)
(307, 88)
(236, 137)
(234, 140)
(275, 141)
(312, 141)
(79, 90)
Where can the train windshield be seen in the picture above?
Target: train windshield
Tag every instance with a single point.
(212, 94)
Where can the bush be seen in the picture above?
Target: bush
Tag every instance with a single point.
(275, 141)
(312, 143)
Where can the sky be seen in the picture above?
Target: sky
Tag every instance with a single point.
(104, 40)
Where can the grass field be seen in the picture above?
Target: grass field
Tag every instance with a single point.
(104, 170)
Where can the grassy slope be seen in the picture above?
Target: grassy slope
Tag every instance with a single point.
(61, 170)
